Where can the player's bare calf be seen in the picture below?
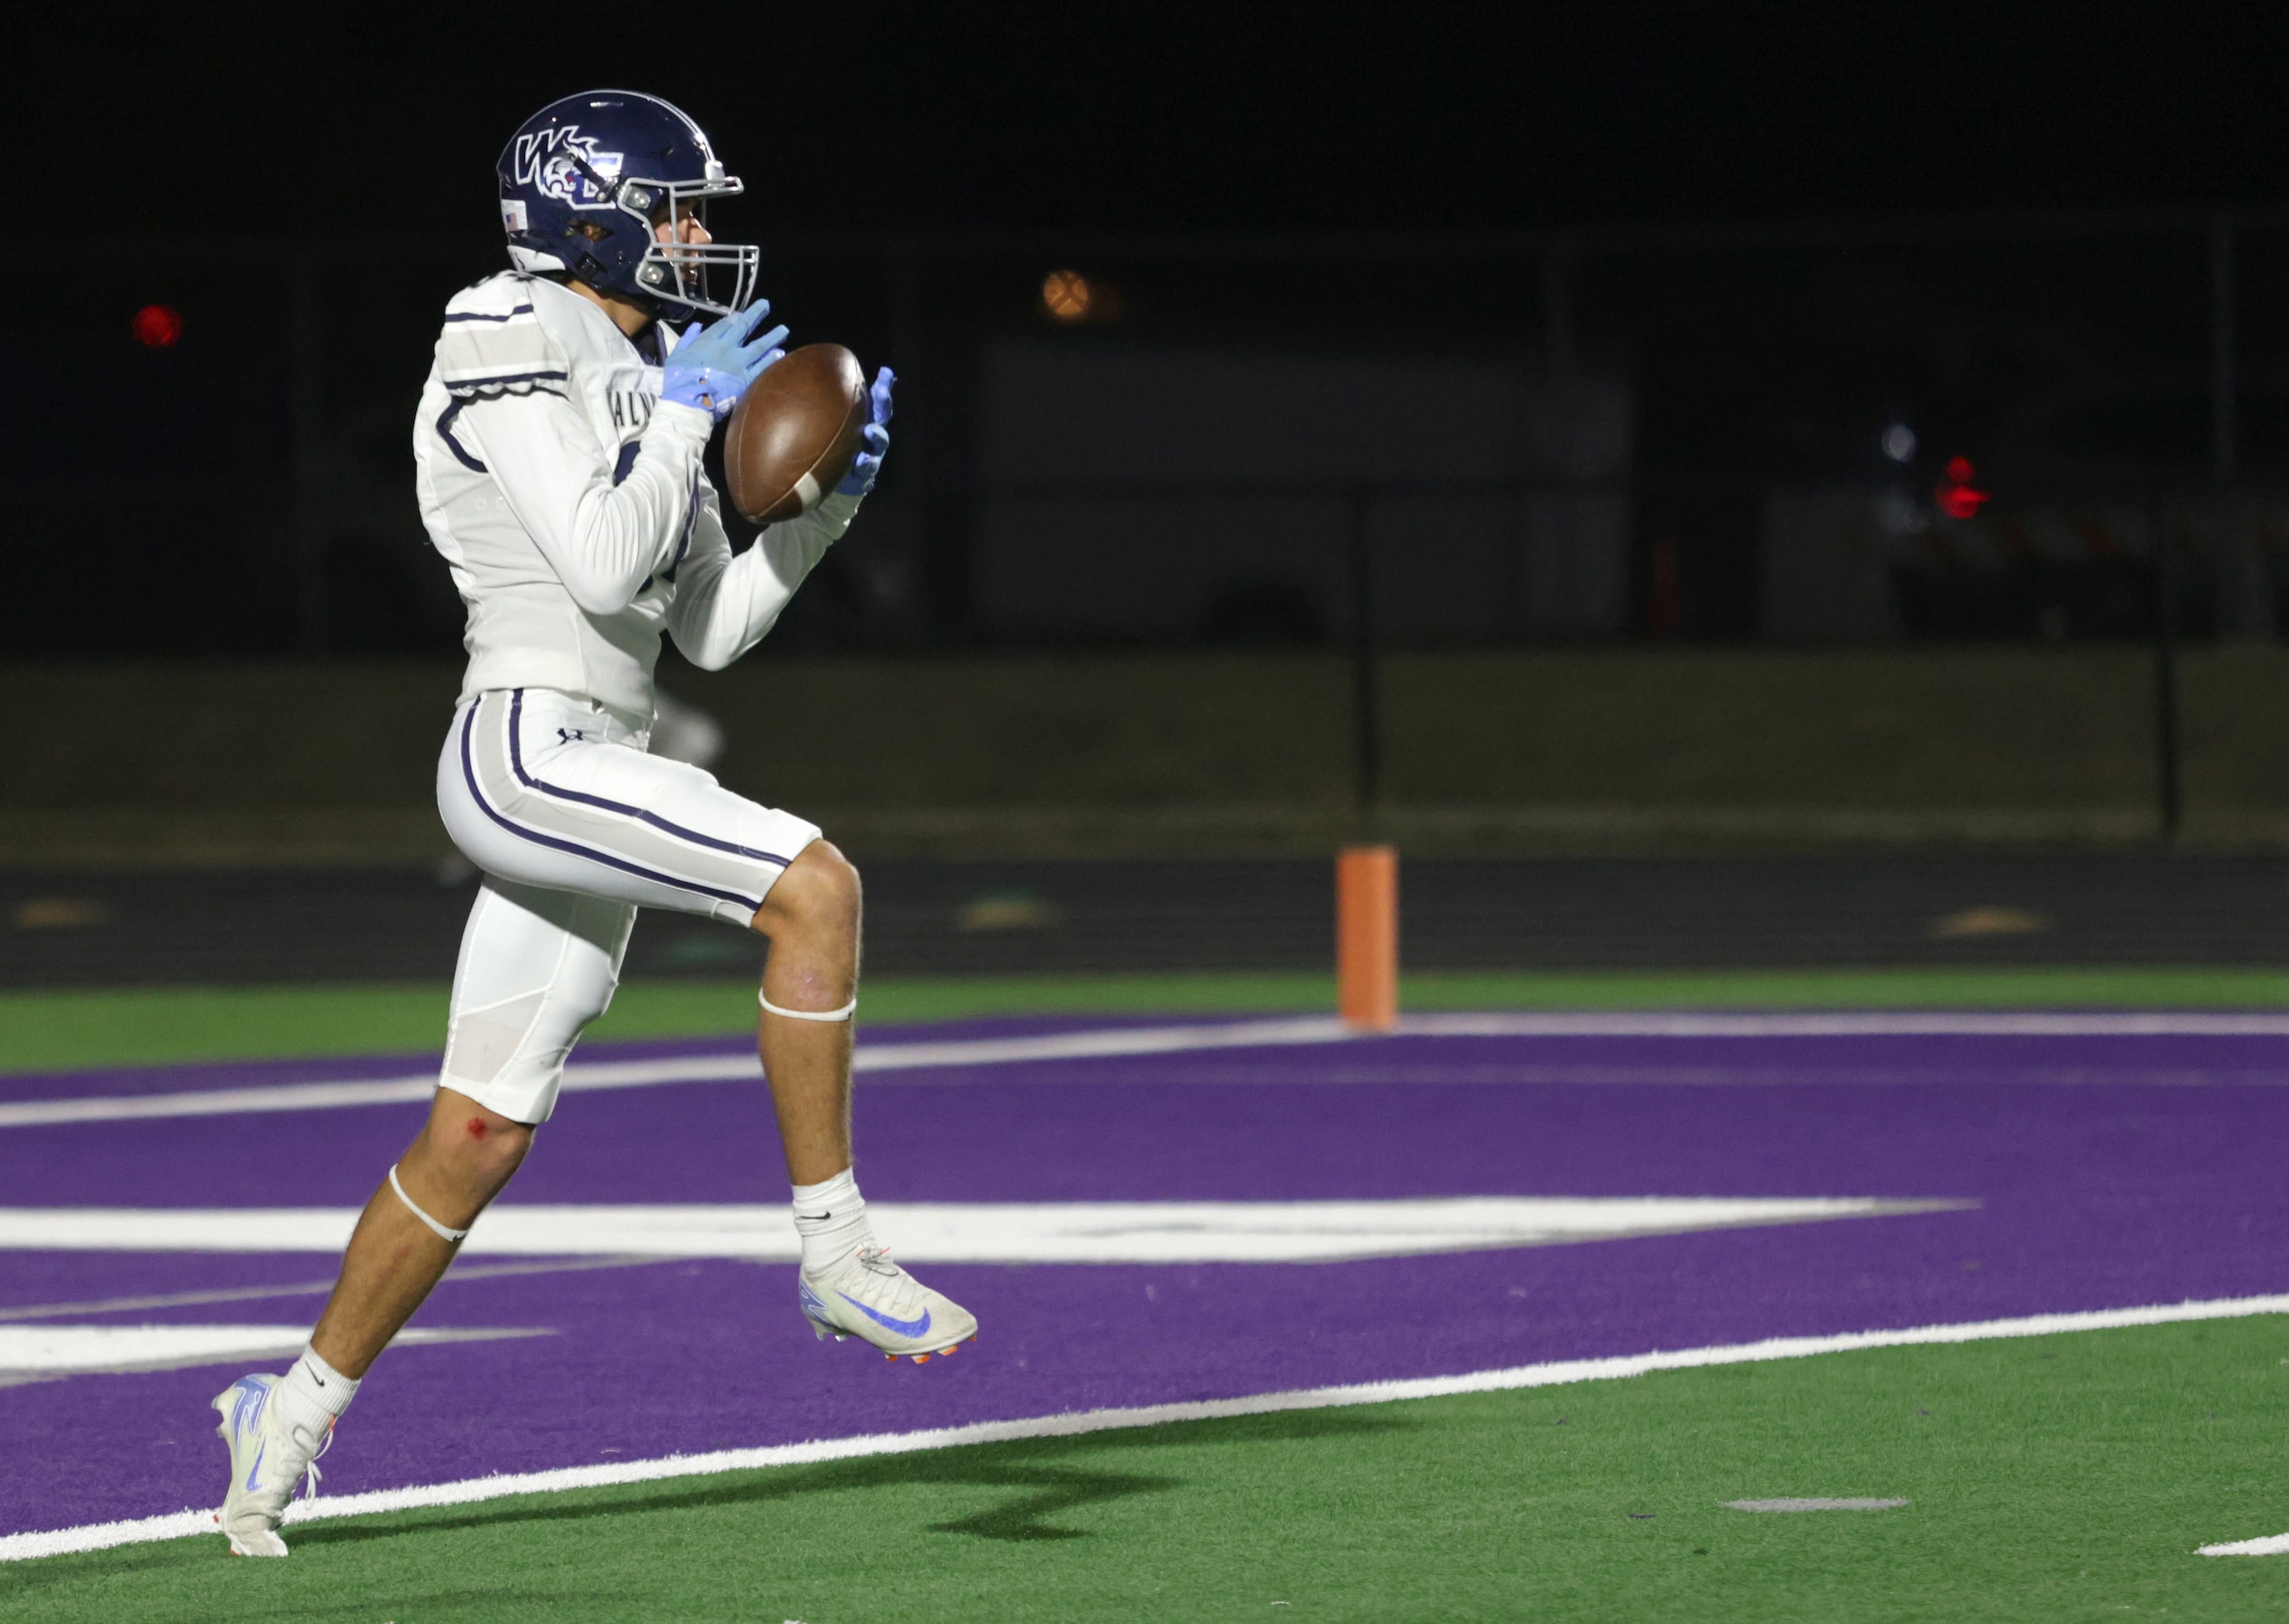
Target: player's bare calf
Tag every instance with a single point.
(803, 1031)
(849, 1286)
(406, 1237)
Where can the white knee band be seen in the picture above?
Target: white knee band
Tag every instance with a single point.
(448, 1235)
(843, 1014)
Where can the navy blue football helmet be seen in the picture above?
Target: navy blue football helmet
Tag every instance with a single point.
(583, 182)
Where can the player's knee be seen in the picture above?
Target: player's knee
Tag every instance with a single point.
(819, 895)
(481, 1147)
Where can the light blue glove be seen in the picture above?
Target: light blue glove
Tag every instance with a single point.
(712, 367)
(868, 463)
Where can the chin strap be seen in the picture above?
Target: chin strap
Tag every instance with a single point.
(843, 1014)
(448, 1235)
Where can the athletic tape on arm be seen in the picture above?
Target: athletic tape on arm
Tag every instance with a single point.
(443, 1233)
(843, 1014)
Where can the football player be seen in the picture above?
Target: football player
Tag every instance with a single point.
(558, 451)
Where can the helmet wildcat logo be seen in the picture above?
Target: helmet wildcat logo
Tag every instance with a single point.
(560, 164)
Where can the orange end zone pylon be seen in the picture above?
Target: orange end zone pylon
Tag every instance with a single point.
(1367, 938)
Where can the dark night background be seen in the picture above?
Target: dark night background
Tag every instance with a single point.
(1348, 182)
(1339, 117)
(1928, 362)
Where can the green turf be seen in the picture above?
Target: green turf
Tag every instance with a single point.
(138, 1025)
(2057, 1478)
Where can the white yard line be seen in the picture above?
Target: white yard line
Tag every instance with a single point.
(1817, 1503)
(461, 1274)
(585, 1075)
(1130, 1042)
(52, 1353)
(218, 1102)
(180, 1524)
(1004, 1232)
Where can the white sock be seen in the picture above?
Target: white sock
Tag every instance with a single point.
(313, 1396)
(830, 1218)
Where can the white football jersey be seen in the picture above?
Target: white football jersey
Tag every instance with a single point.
(570, 502)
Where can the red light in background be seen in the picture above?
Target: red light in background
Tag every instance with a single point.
(157, 326)
(1957, 497)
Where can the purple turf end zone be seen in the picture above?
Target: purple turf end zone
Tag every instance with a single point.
(2109, 1172)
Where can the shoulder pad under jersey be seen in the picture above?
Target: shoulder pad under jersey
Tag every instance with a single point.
(493, 344)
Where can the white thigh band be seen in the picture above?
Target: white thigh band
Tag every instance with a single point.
(448, 1235)
(843, 1014)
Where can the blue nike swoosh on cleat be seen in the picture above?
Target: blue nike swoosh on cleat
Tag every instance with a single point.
(247, 1411)
(904, 1327)
(251, 1471)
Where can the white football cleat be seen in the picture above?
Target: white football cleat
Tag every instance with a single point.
(869, 1296)
(267, 1460)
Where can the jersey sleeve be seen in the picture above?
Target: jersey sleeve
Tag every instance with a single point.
(725, 603)
(513, 415)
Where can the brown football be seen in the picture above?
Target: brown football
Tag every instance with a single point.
(795, 433)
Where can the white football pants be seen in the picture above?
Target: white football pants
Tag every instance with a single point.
(575, 826)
